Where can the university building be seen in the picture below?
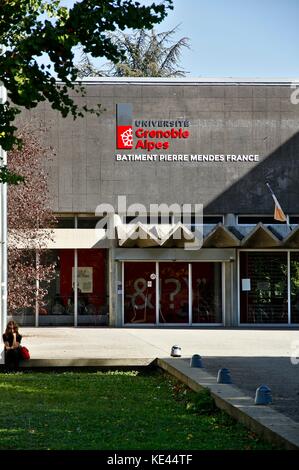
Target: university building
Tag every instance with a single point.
(206, 149)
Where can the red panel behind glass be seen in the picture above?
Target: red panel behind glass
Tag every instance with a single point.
(140, 298)
(206, 293)
(86, 258)
(174, 299)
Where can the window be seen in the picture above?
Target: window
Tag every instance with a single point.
(206, 220)
(89, 222)
(255, 219)
(263, 287)
(58, 308)
(133, 219)
(212, 219)
(91, 278)
(149, 219)
(294, 269)
(206, 293)
(65, 222)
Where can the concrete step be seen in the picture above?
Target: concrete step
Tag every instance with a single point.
(86, 362)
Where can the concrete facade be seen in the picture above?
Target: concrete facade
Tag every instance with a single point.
(225, 118)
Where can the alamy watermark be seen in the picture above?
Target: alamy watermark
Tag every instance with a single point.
(157, 221)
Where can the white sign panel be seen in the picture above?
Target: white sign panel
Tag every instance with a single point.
(85, 279)
(246, 284)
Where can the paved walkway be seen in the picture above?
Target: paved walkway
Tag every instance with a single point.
(157, 342)
(254, 357)
(265, 421)
(276, 372)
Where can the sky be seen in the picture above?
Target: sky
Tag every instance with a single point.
(234, 38)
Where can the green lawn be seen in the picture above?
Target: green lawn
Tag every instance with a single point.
(112, 410)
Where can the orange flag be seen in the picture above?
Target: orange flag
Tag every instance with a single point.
(278, 212)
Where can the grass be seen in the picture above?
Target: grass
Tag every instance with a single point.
(112, 410)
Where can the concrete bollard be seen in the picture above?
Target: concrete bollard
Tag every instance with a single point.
(176, 351)
(263, 395)
(224, 376)
(196, 361)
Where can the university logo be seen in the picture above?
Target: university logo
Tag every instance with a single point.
(148, 134)
(124, 126)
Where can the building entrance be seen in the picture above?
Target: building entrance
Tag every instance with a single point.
(172, 293)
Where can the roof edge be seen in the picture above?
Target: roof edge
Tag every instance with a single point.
(190, 80)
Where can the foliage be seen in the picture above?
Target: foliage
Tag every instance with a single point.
(87, 69)
(201, 402)
(35, 28)
(145, 54)
(103, 410)
(28, 212)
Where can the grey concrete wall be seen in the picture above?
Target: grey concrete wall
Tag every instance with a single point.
(225, 118)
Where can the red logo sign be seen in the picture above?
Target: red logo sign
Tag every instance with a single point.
(145, 135)
(124, 137)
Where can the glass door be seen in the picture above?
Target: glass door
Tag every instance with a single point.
(187, 292)
(139, 292)
(206, 293)
(174, 293)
